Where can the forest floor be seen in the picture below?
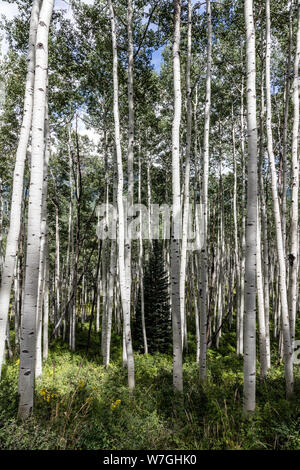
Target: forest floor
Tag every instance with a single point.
(81, 405)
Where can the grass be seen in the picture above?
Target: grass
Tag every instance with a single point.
(81, 405)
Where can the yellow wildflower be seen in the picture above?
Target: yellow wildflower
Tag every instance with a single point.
(115, 404)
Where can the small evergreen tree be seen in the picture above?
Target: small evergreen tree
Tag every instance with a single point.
(156, 301)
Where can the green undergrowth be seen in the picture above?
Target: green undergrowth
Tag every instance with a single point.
(81, 405)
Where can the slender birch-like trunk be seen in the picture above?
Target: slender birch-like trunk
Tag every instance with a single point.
(130, 151)
(130, 105)
(57, 263)
(285, 128)
(262, 242)
(288, 353)
(294, 221)
(251, 229)
(196, 305)
(186, 197)
(176, 222)
(141, 253)
(260, 303)
(104, 296)
(111, 280)
(236, 239)
(16, 302)
(121, 228)
(44, 228)
(78, 195)
(28, 321)
(221, 257)
(46, 303)
(149, 201)
(70, 249)
(17, 191)
(98, 304)
(203, 294)
(240, 332)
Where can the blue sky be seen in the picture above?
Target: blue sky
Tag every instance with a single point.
(157, 58)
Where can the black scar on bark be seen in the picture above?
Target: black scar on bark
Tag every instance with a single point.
(291, 259)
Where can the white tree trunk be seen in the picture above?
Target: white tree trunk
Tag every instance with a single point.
(141, 253)
(288, 353)
(204, 310)
(46, 303)
(240, 339)
(263, 291)
(124, 285)
(17, 192)
(294, 221)
(186, 198)
(260, 304)
(285, 126)
(251, 229)
(43, 252)
(28, 321)
(236, 239)
(175, 241)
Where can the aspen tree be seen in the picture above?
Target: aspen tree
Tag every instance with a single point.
(204, 310)
(104, 296)
(17, 192)
(240, 323)
(42, 272)
(17, 301)
(288, 353)
(251, 228)
(294, 217)
(149, 200)
(235, 223)
(70, 248)
(78, 196)
(111, 279)
(141, 252)
(260, 303)
(57, 261)
(285, 126)
(197, 325)
(127, 252)
(262, 245)
(186, 198)
(121, 227)
(176, 217)
(221, 248)
(102, 282)
(28, 321)
(46, 302)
